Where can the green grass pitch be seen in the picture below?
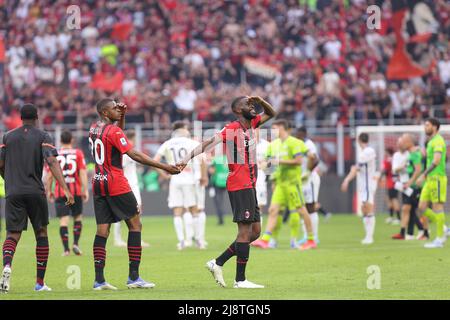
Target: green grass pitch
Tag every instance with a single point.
(336, 270)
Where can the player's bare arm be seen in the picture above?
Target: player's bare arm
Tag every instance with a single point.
(269, 112)
(144, 159)
(313, 160)
(204, 172)
(351, 175)
(436, 160)
(48, 187)
(84, 185)
(161, 172)
(123, 110)
(205, 146)
(56, 171)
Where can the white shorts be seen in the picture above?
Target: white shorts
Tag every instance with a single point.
(200, 196)
(137, 194)
(311, 188)
(182, 195)
(261, 193)
(367, 194)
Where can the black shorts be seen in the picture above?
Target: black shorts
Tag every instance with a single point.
(413, 200)
(111, 209)
(74, 210)
(19, 208)
(244, 205)
(392, 193)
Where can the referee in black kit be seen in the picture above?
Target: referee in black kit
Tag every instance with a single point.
(22, 155)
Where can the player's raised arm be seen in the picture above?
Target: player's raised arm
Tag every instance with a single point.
(144, 159)
(205, 146)
(123, 109)
(268, 113)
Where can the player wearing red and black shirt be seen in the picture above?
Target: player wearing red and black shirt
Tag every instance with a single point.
(392, 193)
(239, 142)
(73, 167)
(22, 155)
(113, 199)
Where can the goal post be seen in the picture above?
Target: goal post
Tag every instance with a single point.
(382, 137)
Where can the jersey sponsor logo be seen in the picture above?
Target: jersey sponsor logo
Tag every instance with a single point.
(101, 177)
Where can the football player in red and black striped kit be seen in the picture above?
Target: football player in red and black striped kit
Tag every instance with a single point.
(239, 141)
(113, 199)
(73, 167)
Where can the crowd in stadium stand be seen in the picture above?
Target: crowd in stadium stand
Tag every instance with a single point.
(314, 60)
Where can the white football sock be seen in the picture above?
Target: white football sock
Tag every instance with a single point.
(188, 226)
(178, 224)
(369, 226)
(305, 233)
(196, 227)
(201, 225)
(315, 224)
(117, 232)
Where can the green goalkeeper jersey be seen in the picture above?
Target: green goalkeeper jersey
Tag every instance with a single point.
(415, 158)
(437, 144)
(287, 150)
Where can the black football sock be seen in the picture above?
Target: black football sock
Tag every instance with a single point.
(402, 232)
(398, 214)
(42, 250)
(226, 255)
(391, 213)
(242, 253)
(64, 233)
(99, 258)
(134, 254)
(411, 223)
(426, 233)
(77, 226)
(9, 248)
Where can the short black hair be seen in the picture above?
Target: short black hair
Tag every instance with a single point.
(66, 137)
(363, 137)
(281, 122)
(434, 122)
(179, 124)
(303, 130)
(236, 101)
(390, 151)
(102, 103)
(28, 112)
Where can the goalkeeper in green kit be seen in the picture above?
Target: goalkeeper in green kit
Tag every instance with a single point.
(434, 180)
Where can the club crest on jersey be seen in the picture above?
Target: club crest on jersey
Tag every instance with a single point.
(123, 141)
(247, 214)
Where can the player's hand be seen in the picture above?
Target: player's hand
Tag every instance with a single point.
(172, 169)
(181, 165)
(70, 199)
(85, 196)
(51, 197)
(123, 107)
(344, 186)
(204, 181)
(420, 180)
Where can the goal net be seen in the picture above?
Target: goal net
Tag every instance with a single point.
(382, 137)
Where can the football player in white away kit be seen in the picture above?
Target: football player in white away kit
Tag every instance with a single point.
(201, 182)
(366, 168)
(311, 185)
(261, 183)
(130, 172)
(182, 189)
